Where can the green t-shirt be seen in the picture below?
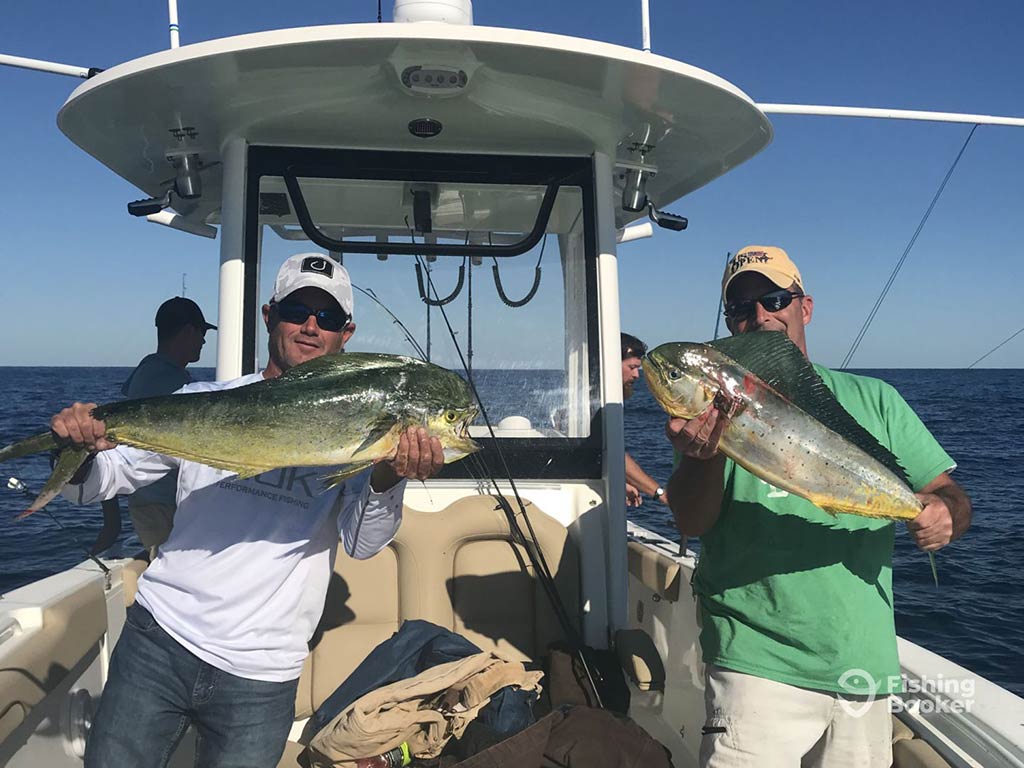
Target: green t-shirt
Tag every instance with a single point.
(791, 593)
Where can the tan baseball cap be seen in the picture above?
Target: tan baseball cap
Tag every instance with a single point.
(768, 260)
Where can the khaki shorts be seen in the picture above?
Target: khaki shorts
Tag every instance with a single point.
(152, 522)
(752, 721)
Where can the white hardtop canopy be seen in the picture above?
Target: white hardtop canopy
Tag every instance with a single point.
(513, 92)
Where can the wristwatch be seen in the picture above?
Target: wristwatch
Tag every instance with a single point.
(659, 492)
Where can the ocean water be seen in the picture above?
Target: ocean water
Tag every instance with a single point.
(975, 617)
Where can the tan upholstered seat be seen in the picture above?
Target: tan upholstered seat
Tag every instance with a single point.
(457, 568)
(655, 570)
(908, 751)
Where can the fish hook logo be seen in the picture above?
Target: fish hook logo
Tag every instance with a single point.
(860, 683)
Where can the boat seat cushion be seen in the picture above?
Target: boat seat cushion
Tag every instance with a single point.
(655, 570)
(915, 753)
(457, 568)
(639, 657)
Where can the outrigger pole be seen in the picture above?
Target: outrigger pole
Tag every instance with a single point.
(888, 114)
(48, 66)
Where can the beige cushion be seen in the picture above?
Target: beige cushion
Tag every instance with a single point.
(456, 568)
(900, 730)
(354, 622)
(640, 659)
(655, 570)
(915, 753)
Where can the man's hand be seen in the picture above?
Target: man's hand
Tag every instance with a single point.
(633, 497)
(698, 437)
(932, 529)
(418, 457)
(76, 425)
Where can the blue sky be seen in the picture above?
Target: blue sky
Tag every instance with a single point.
(82, 279)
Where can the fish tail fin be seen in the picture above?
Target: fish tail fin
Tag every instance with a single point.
(935, 573)
(68, 462)
(28, 446)
(336, 478)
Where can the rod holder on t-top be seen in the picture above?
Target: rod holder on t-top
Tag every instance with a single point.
(188, 185)
(665, 219)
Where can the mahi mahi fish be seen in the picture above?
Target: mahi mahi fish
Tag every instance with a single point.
(346, 410)
(784, 425)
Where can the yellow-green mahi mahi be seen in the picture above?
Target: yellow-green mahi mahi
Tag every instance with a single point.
(346, 409)
(785, 425)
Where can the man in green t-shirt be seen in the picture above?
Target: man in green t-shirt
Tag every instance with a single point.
(796, 605)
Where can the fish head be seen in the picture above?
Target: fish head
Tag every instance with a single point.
(677, 375)
(451, 427)
(446, 409)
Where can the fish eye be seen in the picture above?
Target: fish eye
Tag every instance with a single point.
(674, 374)
(451, 416)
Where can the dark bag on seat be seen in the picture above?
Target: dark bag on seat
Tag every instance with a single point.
(583, 737)
(569, 684)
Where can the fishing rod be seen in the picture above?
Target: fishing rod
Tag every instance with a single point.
(532, 546)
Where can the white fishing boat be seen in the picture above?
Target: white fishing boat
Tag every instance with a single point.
(480, 158)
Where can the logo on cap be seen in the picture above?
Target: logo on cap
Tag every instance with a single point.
(744, 258)
(319, 265)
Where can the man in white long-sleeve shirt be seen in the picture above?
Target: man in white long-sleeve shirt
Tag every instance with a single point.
(219, 630)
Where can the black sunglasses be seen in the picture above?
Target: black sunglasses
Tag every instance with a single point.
(297, 313)
(773, 301)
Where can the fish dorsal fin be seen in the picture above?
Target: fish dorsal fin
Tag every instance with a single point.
(777, 361)
(343, 362)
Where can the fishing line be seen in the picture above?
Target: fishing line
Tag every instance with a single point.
(906, 252)
(16, 485)
(408, 336)
(721, 300)
(1010, 338)
(531, 546)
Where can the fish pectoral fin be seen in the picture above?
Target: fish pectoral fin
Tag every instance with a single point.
(68, 462)
(351, 470)
(378, 430)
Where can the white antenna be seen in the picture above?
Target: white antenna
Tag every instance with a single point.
(645, 20)
(183, 283)
(172, 19)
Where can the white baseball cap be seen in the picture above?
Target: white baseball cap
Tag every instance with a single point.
(314, 270)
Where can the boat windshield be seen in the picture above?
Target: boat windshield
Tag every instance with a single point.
(484, 265)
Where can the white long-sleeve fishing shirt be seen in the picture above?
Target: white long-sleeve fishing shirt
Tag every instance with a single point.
(241, 582)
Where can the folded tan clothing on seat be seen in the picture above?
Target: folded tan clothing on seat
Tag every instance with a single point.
(425, 711)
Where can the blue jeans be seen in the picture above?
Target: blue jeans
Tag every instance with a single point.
(156, 689)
